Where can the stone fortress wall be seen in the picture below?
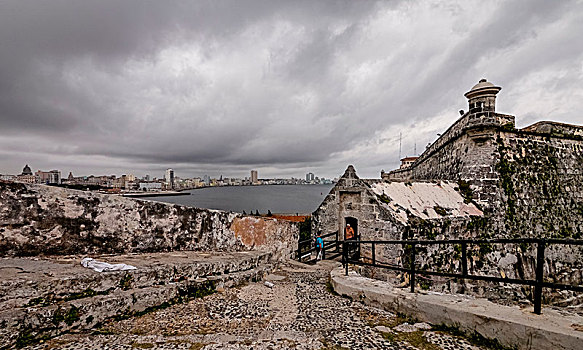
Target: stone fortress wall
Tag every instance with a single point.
(528, 183)
(37, 219)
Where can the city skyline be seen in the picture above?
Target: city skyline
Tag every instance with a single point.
(148, 176)
(285, 88)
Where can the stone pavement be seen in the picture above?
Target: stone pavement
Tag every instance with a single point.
(299, 312)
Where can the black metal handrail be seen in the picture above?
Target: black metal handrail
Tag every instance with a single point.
(310, 242)
(538, 283)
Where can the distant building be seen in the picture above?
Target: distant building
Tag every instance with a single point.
(26, 176)
(407, 161)
(119, 182)
(150, 186)
(26, 170)
(309, 177)
(206, 180)
(169, 178)
(48, 177)
(254, 178)
(6, 177)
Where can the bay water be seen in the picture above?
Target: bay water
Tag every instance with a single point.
(289, 199)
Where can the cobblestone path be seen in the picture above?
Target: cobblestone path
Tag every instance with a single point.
(299, 312)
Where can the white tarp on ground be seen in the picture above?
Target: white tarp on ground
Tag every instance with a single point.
(101, 266)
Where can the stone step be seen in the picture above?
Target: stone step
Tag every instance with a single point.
(42, 282)
(25, 325)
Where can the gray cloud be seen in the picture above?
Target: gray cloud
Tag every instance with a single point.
(286, 87)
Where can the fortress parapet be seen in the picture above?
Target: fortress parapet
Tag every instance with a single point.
(479, 124)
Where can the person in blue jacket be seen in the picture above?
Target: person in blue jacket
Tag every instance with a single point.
(319, 246)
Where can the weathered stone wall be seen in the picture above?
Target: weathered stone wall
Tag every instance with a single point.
(36, 219)
(530, 184)
(352, 198)
(469, 157)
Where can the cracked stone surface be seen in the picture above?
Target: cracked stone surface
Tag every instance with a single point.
(299, 312)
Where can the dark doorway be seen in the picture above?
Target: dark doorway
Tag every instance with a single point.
(353, 222)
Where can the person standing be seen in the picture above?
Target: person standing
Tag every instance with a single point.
(319, 247)
(349, 232)
(349, 236)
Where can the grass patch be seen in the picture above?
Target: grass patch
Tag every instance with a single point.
(330, 288)
(473, 337)
(416, 339)
(326, 345)
(197, 346)
(103, 331)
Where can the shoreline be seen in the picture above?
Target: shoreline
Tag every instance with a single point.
(155, 194)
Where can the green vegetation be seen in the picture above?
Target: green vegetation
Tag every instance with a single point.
(473, 337)
(28, 337)
(508, 127)
(305, 229)
(69, 317)
(126, 282)
(466, 191)
(383, 198)
(326, 345)
(330, 287)
(86, 294)
(41, 301)
(197, 346)
(439, 210)
(506, 170)
(416, 339)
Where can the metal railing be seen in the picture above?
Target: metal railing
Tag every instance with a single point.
(350, 247)
(308, 246)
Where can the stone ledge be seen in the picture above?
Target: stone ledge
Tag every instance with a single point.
(34, 281)
(511, 326)
(153, 286)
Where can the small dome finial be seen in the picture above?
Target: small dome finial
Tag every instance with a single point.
(483, 80)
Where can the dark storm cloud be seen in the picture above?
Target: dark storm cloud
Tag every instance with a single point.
(283, 86)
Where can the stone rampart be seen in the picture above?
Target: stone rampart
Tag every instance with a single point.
(37, 219)
(530, 184)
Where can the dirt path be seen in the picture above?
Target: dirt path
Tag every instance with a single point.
(299, 312)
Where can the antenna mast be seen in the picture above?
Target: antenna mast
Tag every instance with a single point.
(400, 134)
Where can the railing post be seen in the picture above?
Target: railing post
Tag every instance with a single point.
(345, 257)
(373, 253)
(464, 259)
(538, 288)
(412, 268)
(336, 245)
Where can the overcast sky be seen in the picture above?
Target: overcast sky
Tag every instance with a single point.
(222, 87)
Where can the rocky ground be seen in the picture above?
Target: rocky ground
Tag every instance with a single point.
(298, 312)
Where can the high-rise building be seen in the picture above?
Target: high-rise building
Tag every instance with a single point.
(309, 177)
(206, 180)
(169, 178)
(254, 176)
